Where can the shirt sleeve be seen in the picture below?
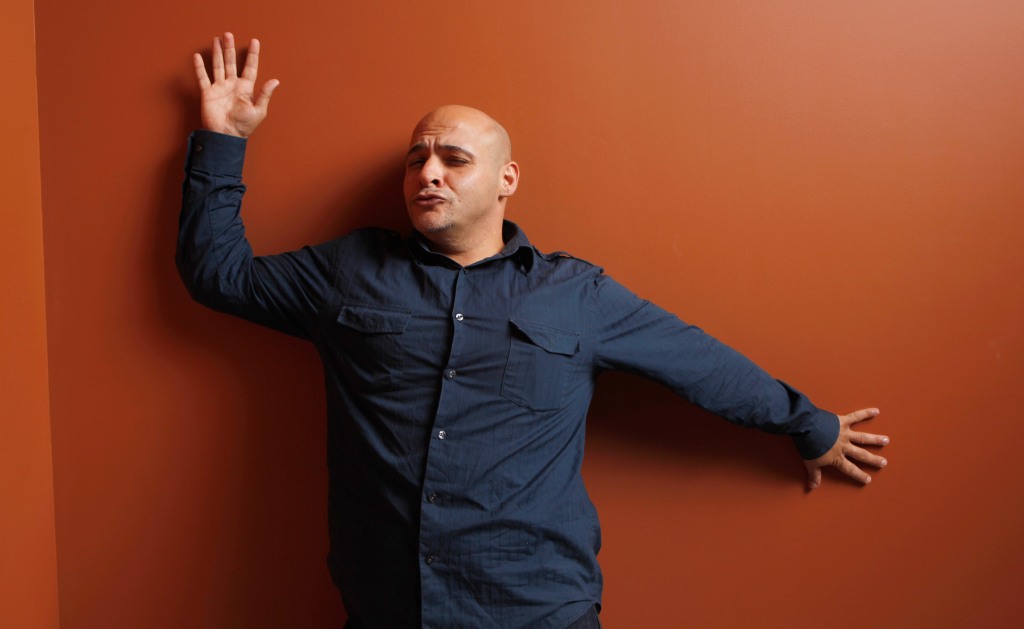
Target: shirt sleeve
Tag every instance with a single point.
(634, 335)
(214, 259)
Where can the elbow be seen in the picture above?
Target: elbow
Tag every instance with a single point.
(202, 283)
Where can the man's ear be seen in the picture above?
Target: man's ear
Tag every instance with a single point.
(509, 180)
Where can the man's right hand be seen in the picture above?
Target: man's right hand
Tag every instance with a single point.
(230, 104)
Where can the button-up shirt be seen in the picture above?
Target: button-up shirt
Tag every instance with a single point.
(457, 398)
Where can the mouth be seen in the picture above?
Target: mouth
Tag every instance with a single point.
(429, 198)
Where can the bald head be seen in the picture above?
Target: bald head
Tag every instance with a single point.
(486, 132)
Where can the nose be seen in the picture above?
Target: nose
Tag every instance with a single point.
(431, 172)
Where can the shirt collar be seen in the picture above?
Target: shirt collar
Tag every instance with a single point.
(517, 246)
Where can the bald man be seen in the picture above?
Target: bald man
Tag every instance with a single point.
(459, 175)
(460, 362)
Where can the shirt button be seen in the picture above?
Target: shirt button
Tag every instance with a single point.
(431, 497)
(459, 317)
(450, 374)
(441, 434)
(430, 559)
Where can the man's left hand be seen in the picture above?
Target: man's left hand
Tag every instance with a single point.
(847, 447)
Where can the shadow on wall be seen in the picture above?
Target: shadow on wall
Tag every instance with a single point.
(260, 477)
(646, 420)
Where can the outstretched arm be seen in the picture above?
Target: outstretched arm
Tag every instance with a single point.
(632, 334)
(229, 104)
(847, 447)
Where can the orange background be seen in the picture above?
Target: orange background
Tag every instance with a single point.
(834, 188)
(28, 558)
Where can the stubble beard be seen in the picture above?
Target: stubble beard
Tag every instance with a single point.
(435, 222)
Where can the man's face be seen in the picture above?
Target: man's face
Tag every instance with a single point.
(454, 172)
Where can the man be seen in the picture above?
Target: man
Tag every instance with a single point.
(459, 364)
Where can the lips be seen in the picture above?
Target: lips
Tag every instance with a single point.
(429, 198)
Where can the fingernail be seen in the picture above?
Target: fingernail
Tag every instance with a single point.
(885, 441)
(868, 481)
(883, 463)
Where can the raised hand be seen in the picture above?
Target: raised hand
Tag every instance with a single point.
(229, 104)
(847, 447)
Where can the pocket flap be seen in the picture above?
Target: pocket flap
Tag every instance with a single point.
(374, 320)
(551, 340)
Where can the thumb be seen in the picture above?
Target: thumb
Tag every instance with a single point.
(813, 477)
(266, 92)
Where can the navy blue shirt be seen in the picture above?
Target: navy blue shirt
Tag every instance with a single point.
(456, 401)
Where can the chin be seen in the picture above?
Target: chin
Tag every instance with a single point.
(430, 223)
(432, 228)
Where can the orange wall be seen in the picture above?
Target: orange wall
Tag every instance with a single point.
(832, 187)
(28, 560)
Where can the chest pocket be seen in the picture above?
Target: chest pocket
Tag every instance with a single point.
(540, 359)
(370, 338)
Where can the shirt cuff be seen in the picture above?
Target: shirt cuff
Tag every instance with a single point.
(215, 153)
(820, 438)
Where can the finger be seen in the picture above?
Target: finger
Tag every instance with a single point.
(268, 89)
(861, 415)
(813, 477)
(218, 60)
(201, 75)
(230, 67)
(252, 61)
(869, 438)
(864, 456)
(851, 470)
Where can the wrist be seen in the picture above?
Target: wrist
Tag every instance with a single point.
(226, 130)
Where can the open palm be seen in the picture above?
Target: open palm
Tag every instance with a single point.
(229, 104)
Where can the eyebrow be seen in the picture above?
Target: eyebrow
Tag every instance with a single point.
(451, 148)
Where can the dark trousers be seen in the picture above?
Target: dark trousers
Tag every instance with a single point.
(588, 620)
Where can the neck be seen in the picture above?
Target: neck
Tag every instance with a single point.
(466, 251)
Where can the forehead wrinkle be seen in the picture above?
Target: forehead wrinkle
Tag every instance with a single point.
(449, 119)
(450, 148)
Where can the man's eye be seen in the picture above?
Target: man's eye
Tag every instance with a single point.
(458, 161)
(414, 163)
